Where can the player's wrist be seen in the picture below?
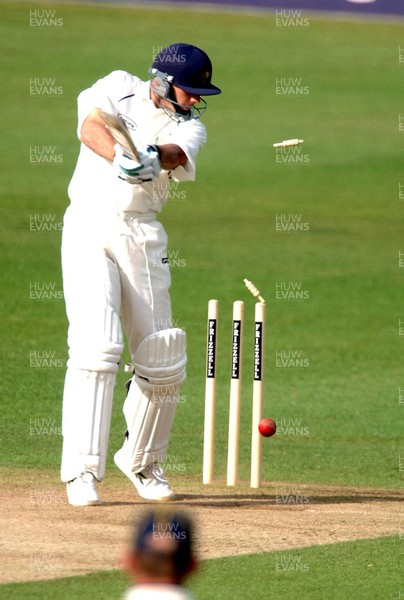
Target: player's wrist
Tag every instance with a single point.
(155, 149)
(136, 171)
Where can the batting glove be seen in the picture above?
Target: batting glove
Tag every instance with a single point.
(133, 171)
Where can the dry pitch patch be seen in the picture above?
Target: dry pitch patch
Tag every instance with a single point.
(43, 537)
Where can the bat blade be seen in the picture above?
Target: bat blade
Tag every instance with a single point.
(119, 132)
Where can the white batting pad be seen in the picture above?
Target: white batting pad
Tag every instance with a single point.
(161, 358)
(87, 404)
(153, 396)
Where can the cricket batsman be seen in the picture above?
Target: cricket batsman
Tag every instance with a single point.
(116, 275)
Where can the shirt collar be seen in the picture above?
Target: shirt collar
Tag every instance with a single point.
(144, 91)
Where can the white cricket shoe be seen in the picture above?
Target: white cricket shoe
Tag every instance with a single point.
(82, 491)
(150, 483)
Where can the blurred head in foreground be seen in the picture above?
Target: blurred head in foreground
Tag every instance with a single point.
(162, 552)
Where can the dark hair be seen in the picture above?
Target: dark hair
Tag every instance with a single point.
(163, 543)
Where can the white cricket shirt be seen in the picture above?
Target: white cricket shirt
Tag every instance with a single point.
(95, 185)
(157, 592)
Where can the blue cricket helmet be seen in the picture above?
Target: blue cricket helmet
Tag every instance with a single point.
(189, 68)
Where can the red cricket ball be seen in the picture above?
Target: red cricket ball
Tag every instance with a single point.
(267, 427)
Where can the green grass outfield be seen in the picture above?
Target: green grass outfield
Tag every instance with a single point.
(366, 569)
(339, 415)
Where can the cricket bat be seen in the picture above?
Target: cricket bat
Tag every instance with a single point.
(119, 132)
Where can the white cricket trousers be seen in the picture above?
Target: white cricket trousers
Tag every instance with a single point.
(115, 271)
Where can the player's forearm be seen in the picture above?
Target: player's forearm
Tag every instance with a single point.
(171, 156)
(95, 135)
